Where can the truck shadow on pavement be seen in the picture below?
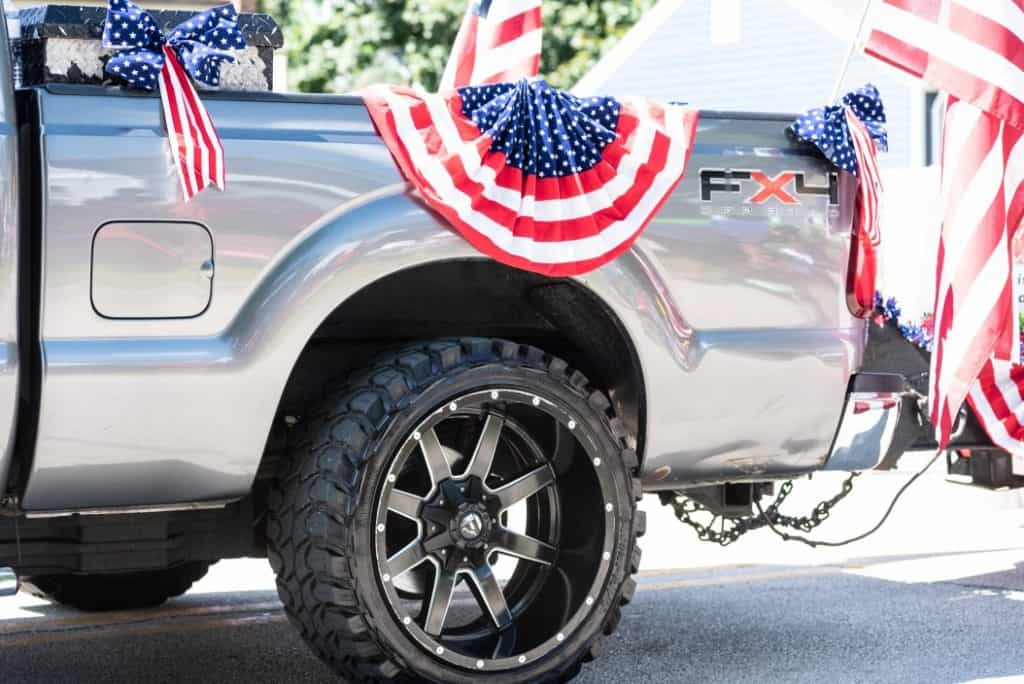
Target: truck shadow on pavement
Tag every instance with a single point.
(938, 617)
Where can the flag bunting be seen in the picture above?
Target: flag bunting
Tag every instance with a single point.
(534, 177)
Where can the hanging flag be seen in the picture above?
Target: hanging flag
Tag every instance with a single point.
(970, 48)
(146, 59)
(849, 134)
(997, 398)
(537, 178)
(499, 40)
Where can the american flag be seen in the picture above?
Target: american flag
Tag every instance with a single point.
(533, 177)
(849, 135)
(997, 398)
(146, 59)
(972, 49)
(499, 40)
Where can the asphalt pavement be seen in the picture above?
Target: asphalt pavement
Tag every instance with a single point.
(936, 596)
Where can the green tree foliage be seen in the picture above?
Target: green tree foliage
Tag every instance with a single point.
(340, 45)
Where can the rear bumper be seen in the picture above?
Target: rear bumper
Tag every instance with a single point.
(881, 419)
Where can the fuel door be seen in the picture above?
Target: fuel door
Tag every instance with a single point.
(152, 269)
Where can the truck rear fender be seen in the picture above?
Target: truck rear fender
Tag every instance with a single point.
(346, 284)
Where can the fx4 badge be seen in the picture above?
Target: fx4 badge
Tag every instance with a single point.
(785, 187)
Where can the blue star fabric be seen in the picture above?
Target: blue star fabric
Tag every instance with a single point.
(826, 127)
(202, 43)
(542, 131)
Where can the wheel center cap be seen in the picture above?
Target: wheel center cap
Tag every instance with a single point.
(471, 526)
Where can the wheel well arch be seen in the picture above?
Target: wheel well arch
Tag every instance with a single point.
(463, 298)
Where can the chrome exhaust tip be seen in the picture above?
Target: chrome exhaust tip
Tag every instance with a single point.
(8, 582)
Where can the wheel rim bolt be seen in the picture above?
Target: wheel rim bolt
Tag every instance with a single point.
(608, 507)
(406, 620)
(480, 663)
(452, 406)
(416, 435)
(572, 424)
(380, 527)
(386, 578)
(590, 601)
(560, 637)
(522, 659)
(439, 650)
(606, 555)
(597, 461)
(494, 395)
(536, 401)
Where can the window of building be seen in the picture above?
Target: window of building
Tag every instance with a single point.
(934, 105)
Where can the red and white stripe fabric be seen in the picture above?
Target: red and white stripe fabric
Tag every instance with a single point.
(868, 237)
(557, 226)
(498, 41)
(975, 313)
(195, 145)
(998, 401)
(973, 49)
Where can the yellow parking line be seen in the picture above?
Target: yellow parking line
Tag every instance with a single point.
(126, 617)
(141, 628)
(740, 578)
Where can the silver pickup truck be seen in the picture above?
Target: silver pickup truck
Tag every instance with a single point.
(441, 456)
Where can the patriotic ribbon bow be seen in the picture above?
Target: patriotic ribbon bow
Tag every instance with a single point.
(146, 59)
(850, 134)
(828, 128)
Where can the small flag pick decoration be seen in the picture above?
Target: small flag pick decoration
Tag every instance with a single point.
(148, 60)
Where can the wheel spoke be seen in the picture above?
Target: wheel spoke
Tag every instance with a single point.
(527, 485)
(525, 547)
(506, 642)
(440, 602)
(483, 455)
(433, 454)
(406, 559)
(404, 503)
(490, 596)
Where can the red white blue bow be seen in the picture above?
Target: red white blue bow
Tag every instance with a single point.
(147, 59)
(850, 134)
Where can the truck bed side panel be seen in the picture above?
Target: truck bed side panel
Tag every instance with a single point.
(739, 320)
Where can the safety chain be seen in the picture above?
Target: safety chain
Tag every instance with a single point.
(732, 528)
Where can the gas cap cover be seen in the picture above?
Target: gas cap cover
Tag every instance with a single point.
(152, 269)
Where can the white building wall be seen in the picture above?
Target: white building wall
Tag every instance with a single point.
(784, 62)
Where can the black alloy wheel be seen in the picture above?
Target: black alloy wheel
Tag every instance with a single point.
(464, 510)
